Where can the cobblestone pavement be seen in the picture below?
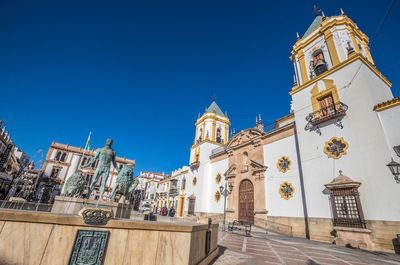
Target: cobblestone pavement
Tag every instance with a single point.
(261, 248)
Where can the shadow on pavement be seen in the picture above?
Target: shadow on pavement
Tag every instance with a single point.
(221, 252)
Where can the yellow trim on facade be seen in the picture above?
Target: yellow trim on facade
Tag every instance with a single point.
(194, 181)
(387, 104)
(353, 38)
(351, 59)
(226, 134)
(181, 206)
(303, 67)
(197, 132)
(213, 116)
(218, 178)
(205, 141)
(367, 50)
(203, 136)
(331, 142)
(217, 196)
(330, 89)
(283, 170)
(327, 24)
(282, 186)
(331, 47)
(213, 130)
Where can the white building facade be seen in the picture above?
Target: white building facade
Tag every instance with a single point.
(322, 172)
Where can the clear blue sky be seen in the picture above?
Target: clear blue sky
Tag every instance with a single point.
(140, 71)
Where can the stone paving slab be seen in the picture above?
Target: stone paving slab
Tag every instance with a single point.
(262, 248)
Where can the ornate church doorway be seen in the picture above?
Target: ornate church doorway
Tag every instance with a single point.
(246, 201)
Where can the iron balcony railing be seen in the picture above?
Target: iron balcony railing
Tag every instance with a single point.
(173, 191)
(323, 114)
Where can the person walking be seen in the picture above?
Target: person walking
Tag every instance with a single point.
(172, 212)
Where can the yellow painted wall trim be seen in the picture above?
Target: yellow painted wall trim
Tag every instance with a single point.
(203, 136)
(331, 47)
(181, 205)
(226, 134)
(367, 50)
(303, 68)
(353, 57)
(282, 188)
(217, 196)
(213, 131)
(205, 141)
(387, 104)
(213, 117)
(280, 161)
(330, 142)
(330, 89)
(218, 178)
(195, 138)
(300, 44)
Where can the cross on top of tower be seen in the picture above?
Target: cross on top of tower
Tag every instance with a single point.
(214, 97)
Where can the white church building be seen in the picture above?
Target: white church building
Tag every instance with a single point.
(322, 172)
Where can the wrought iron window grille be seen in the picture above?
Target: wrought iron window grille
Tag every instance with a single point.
(334, 111)
(347, 211)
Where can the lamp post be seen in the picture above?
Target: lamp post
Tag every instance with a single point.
(395, 169)
(225, 192)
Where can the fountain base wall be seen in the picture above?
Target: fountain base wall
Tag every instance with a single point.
(47, 238)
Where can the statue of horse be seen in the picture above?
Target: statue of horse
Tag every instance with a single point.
(124, 183)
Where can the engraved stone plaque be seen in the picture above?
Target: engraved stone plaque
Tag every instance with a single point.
(89, 247)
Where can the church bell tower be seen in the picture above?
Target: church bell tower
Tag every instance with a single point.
(211, 130)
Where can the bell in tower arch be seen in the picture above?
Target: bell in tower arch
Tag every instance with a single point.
(319, 63)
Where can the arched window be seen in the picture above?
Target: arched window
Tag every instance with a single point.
(58, 155)
(63, 157)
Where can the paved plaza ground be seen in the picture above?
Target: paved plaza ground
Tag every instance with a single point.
(262, 248)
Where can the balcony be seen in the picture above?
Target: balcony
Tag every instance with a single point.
(173, 192)
(334, 111)
(161, 194)
(194, 165)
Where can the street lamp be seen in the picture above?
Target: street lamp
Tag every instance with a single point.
(397, 150)
(395, 169)
(225, 192)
